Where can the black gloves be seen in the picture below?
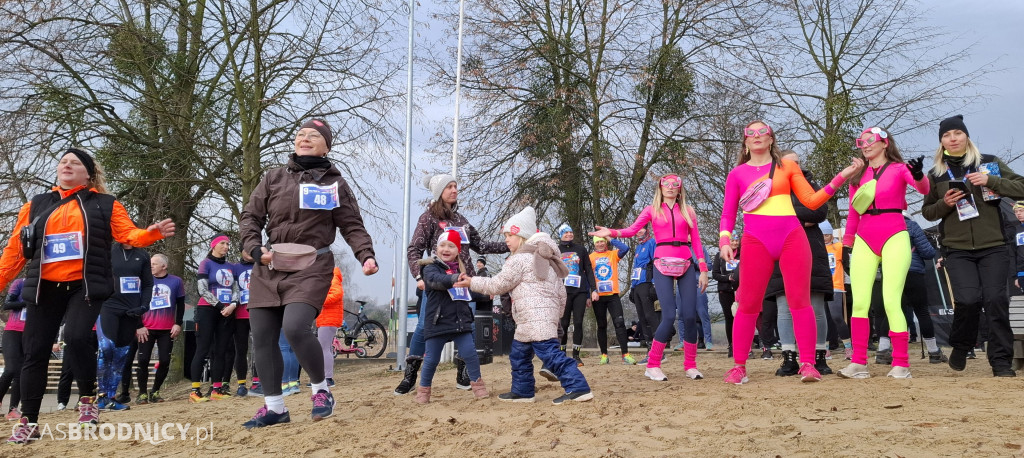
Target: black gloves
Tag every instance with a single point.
(136, 312)
(916, 166)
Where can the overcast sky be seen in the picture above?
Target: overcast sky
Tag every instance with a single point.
(993, 27)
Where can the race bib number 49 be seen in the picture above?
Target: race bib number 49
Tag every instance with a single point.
(316, 197)
(62, 247)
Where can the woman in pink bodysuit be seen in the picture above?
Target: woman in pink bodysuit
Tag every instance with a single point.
(876, 231)
(772, 233)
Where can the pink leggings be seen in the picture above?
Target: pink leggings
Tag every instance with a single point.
(755, 270)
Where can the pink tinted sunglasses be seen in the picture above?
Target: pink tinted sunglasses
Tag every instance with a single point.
(877, 135)
(672, 182)
(751, 132)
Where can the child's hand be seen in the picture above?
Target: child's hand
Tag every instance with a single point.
(463, 282)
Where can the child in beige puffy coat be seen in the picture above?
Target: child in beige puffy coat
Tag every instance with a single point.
(533, 274)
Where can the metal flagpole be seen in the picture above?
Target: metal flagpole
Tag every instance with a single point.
(403, 290)
(458, 91)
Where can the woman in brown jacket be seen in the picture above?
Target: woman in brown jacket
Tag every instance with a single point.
(303, 202)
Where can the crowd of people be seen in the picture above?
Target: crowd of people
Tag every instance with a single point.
(87, 283)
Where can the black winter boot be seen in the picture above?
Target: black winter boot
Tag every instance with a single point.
(820, 364)
(412, 367)
(462, 380)
(789, 365)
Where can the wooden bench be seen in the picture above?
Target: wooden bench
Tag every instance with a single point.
(1017, 325)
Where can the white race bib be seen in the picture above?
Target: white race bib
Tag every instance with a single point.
(24, 314)
(604, 287)
(131, 285)
(315, 197)
(62, 247)
(161, 297)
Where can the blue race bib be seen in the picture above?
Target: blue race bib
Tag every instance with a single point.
(131, 285)
(244, 297)
(572, 280)
(316, 197)
(459, 294)
(62, 247)
(224, 295)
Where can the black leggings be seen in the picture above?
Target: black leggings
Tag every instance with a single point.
(212, 338)
(64, 301)
(162, 339)
(239, 352)
(296, 321)
(643, 297)
(726, 298)
(13, 357)
(575, 306)
(604, 305)
(915, 296)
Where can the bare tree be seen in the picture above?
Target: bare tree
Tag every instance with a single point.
(834, 66)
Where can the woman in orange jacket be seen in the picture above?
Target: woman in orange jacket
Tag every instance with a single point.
(64, 237)
(328, 322)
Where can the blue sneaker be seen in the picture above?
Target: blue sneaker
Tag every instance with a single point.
(330, 381)
(264, 418)
(323, 405)
(256, 390)
(242, 391)
(105, 403)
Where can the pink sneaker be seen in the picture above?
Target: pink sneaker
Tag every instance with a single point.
(848, 354)
(13, 415)
(88, 413)
(808, 373)
(737, 375)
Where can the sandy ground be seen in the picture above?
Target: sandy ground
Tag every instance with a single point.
(938, 412)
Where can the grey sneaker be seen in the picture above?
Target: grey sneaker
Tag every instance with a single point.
(546, 373)
(855, 370)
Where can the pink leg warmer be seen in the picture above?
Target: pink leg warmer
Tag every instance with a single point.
(900, 344)
(655, 354)
(690, 355)
(742, 335)
(806, 331)
(860, 331)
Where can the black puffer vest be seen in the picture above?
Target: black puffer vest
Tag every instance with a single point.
(96, 270)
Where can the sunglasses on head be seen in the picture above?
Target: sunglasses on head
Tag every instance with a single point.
(877, 135)
(752, 132)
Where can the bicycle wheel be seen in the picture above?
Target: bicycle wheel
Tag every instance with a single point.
(372, 337)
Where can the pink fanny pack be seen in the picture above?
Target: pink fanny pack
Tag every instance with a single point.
(757, 193)
(672, 267)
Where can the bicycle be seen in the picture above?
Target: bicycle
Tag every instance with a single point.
(368, 338)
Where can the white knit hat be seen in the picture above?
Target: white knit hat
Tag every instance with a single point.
(523, 224)
(437, 183)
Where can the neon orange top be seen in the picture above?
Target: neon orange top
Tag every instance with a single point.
(835, 262)
(606, 271)
(68, 218)
(333, 311)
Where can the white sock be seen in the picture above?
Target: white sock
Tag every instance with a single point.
(823, 346)
(789, 347)
(932, 346)
(322, 386)
(275, 404)
(884, 344)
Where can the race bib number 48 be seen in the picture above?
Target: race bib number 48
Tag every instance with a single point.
(315, 197)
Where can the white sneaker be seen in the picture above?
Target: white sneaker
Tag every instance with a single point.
(855, 370)
(655, 373)
(694, 374)
(61, 406)
(899, 372)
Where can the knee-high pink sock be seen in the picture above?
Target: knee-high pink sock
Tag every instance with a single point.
(655, 354)
(690, 355)
(805, 329)
(900, 348)
(860, 331)
(742, 335)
